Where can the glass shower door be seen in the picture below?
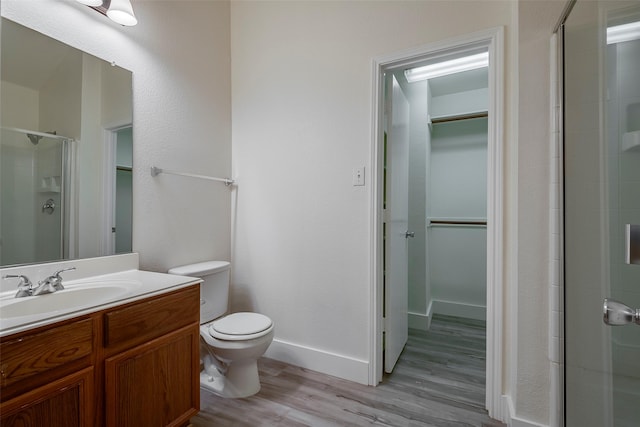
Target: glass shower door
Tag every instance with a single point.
(601, 49)
(32, 194)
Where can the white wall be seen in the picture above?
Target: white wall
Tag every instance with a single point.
(19, 106)
(179, 54)
(90, 159)
(458, 190)
(19, 109)
(60, 97)
(529, 183)
(301, 122)
(447, 263)
(469, 101)
(458, 178)
(116, 91)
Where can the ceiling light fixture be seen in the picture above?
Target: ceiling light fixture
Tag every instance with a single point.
(119, 11)
(623, 33)
(458, 65)
(92, 3)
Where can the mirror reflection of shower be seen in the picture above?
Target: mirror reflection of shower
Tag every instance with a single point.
(35, 139)
(34, 177)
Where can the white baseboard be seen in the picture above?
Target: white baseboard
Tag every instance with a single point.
(422, 321)
(519, 422)
(322, 361)
(451, 308)
(511, 419)
(419, 321)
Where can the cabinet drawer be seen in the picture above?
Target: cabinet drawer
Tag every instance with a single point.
(139, 322)
(37, 358)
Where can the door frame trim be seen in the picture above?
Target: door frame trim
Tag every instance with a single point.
(493, 40)
(110, 138)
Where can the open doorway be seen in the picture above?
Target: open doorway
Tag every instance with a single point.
(446, 224)
(118, 179)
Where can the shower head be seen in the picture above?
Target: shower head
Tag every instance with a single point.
(36, 138)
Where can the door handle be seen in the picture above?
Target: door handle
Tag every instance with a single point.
(616, 313)
(408, 234)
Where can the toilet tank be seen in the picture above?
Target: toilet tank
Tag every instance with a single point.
(214, 290)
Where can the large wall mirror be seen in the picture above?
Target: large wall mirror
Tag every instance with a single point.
(66, 145)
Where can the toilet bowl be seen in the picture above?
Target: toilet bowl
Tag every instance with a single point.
(230, 344)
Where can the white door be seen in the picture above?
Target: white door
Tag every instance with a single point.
(396, 220)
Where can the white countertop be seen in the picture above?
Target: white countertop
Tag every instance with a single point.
(136, 284)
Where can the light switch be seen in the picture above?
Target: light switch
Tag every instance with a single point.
(358, 176)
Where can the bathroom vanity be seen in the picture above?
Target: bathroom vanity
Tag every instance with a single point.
(129, 362)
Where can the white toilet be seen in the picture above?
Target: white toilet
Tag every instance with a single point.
(230, 345)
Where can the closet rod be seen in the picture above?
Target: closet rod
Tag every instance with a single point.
(455, 222)
(157, 171)
(436, 120)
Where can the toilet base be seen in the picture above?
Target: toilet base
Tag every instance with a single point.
(241, 380)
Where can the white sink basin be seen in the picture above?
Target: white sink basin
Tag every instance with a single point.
(72, 298)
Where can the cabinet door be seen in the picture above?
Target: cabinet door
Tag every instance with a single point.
(63, 403)
(156, 383)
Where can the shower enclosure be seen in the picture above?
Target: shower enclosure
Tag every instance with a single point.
(601, 120)
(34, 190)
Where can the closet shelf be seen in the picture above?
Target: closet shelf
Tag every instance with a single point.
(456, 222)
(456, 117)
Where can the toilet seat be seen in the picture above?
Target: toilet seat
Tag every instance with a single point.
(240, 326)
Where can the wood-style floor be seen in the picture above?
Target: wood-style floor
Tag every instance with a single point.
(438, 381)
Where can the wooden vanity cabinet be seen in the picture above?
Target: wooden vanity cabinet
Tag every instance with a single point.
(135, 364)
(153, 366)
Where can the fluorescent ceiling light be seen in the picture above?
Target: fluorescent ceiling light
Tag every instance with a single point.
(458, 65)
(623, 33)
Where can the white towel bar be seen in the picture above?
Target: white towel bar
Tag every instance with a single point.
(155, 171)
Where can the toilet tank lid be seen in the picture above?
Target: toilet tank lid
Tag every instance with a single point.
(201, 268)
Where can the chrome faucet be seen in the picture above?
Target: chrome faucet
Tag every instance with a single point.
(52, 283)
(49, 285)
(25, 287)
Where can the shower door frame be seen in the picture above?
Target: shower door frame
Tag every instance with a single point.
(67, 154)
(558, 409)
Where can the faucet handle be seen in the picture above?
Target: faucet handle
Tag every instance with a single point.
(56, 279)
(25, 287)
(57, 273)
